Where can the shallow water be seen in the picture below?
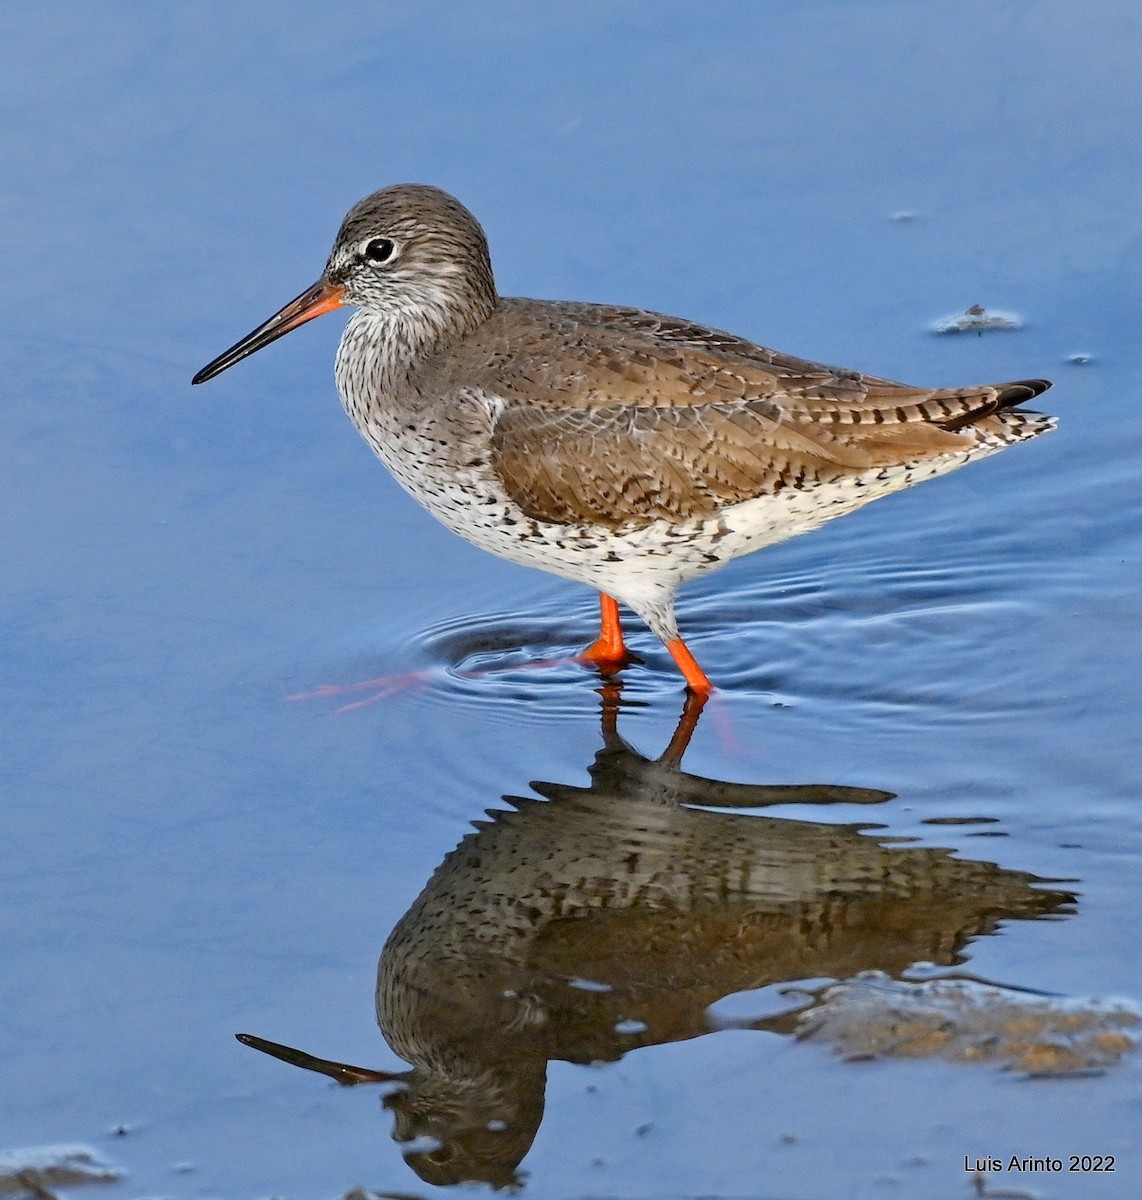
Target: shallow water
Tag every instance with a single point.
(189, 854)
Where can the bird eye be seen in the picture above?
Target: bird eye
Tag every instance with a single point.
(378, 250)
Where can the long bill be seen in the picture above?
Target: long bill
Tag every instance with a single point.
(344, 1073)
(323, 297)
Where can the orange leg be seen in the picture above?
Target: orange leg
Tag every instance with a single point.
(687, 723)
(608, 652)
(696, 679)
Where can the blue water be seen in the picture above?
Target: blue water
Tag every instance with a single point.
(187, 854)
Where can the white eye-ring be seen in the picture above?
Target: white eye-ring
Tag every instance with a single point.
(378, 250)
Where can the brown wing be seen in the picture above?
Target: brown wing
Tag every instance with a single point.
(619, 415)
(625, 464)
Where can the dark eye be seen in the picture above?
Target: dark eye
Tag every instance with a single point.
(378, 250)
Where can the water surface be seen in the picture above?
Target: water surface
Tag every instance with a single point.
(189, 855)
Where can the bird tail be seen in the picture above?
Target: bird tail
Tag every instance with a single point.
(994, 413)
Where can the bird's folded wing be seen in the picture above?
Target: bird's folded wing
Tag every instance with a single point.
(630, 465)
(617, 415)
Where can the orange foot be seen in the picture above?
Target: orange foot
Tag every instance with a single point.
(608, 651)
(696, 679)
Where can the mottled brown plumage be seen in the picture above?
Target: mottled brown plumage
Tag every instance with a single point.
(645, 418)
(618, 447)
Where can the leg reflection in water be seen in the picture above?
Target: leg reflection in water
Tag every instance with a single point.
(583, 923)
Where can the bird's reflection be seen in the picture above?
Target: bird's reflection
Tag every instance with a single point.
(600, 919)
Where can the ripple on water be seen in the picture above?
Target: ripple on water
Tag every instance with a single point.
(884, 636)
(896, 626)
(504, 658)
(497, 661)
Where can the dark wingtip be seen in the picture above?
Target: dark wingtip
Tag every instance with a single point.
(1020, 391)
